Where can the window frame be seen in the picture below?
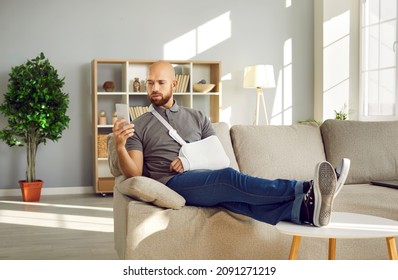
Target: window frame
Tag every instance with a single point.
(362, 92)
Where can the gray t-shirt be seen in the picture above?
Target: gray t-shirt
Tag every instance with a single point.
(153, 139)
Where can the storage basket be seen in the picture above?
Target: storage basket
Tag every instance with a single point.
(102, 149)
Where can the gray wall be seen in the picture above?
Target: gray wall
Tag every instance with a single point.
(72, 33)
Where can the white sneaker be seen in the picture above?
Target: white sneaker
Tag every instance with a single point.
(342, 173)
(324, 188)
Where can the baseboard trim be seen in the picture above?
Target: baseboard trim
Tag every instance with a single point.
(51, 191)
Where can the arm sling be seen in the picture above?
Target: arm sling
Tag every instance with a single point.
(207, 153)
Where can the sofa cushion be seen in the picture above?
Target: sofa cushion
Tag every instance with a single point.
(284, 152)
(151, 191)
(368, 199)
(371, 147)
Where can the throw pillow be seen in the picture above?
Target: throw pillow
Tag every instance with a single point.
(151, 191)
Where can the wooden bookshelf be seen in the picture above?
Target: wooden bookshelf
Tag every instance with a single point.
(122, 73)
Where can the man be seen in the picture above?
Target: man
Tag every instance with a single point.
(146, 148)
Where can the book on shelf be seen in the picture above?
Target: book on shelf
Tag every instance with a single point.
(178, 83)
(178, 78)
(185, 83)
(136, 111)
(182, 82)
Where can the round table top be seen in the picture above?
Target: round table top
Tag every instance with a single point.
(345, 225)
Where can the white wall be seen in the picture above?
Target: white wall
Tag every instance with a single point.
(72, 33)
(336, 70)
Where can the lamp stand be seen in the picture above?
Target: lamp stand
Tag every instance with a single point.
(260, 93)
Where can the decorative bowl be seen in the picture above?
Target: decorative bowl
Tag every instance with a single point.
(109, 86)
(203, 87)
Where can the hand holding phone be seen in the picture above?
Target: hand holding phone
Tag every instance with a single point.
(122, 111)
(122, 128)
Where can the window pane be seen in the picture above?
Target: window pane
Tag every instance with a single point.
(379, 92)
(370, 12)
(370, 82)
(388, 9)
(387, 38)
(370, 48)
(387, 92)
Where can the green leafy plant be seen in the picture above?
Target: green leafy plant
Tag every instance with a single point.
(35, 107)
(341, 115)
(310, 121)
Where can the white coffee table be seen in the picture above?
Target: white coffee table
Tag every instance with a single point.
(344, 225)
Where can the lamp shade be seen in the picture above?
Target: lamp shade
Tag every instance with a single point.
(259, 76)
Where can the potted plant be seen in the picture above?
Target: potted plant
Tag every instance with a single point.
(35, 107)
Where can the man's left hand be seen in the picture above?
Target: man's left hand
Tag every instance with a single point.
(176, 165)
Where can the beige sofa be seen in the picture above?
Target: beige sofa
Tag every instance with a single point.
(152, 222)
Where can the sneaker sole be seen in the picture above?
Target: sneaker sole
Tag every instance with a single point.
(345, 168)
(324, 190)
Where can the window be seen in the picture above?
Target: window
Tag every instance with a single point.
(379, 97)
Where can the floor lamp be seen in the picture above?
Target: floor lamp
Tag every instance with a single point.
(259, 77)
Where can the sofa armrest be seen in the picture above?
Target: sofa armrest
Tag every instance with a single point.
(113, 160)
(151, 191)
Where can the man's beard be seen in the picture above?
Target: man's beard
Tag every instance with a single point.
(160, 102)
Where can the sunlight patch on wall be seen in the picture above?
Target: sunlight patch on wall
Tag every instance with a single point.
(183, 47)
(336, 28)
(214, 32)
(225, 115)
(277, 112)
(288, 52)
(288, 94)
(334, 99)
(200, 39)
(226, 77)
(336, 65)
(288, 82)
(282, 112)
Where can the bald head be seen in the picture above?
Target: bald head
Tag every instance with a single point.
(162, 68)
(161, 83)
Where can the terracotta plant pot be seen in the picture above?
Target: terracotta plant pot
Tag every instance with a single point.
(31, 191)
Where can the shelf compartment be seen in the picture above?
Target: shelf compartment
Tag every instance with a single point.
(105, 184)
(115, 72)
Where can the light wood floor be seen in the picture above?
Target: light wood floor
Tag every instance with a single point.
(59, 227)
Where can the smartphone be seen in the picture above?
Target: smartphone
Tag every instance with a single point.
(122, 111)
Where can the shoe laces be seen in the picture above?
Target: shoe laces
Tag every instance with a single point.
(308, 205)
(338, 171)
(308, 197)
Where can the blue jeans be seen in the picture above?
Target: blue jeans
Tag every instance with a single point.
(265, 200)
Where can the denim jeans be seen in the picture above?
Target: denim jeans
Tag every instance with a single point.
(265, 200)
